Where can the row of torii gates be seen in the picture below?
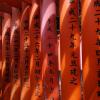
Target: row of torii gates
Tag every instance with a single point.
(45, 54)
(17, 85)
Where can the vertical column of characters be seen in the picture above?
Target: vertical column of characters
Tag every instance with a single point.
(25, 54)
(90, 49)
(70, 50)
(6, 61)
(0, 56)
(49, 50)
(97, 42)
(35, 62)
(15, 54)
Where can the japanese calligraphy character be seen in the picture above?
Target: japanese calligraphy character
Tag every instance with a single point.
(98, 73)
(98, 42)
(72, 11)
(96, 3)
(98, 61)
(72, 44)
(26, 25)
(73, 62)
(98, 31)
(98, 83)
(73, 81)
(97, 52)
(98, 21)
(73, 71)
(98, 93)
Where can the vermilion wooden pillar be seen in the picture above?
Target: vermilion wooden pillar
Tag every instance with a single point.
(70, 50)
(49, 50)
(25, 54)
(15, 54)
(5, 6)
(36, 64)
(6, 74)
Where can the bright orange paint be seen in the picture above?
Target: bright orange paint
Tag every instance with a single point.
(91, 49)
(70, 50)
